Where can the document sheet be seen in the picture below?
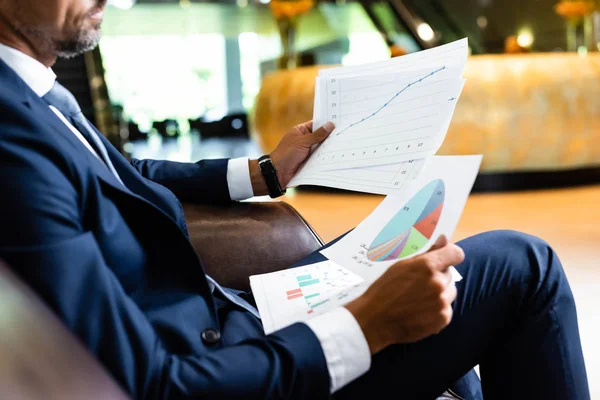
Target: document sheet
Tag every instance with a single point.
(386, 113)
(402, 226)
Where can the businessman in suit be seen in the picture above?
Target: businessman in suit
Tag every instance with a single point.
(104, 242)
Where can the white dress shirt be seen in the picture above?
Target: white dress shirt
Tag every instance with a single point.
(344, 344)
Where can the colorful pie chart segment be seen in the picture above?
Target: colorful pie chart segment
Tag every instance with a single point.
(412, 227)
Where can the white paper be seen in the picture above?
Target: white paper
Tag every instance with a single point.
(379, 179)
(431, 206)
(318, 118)
(397, 123)
(298, 294)
(456, 52)
(384, 116)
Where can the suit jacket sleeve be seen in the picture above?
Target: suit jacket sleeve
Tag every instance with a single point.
(201, 182)
(43, 240)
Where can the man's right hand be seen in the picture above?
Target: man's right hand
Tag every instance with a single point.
(411, 300)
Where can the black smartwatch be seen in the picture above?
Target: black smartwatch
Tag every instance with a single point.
(270, 175)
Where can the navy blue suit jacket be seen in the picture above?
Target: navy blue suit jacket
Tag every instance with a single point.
(115, 263)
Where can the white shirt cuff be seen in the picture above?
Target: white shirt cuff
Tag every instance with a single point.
(344, 345)
(238, 179)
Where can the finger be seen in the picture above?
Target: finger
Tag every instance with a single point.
(450, 293)
(441, 241)
(440, 282)
(442, 320)
(305, 128)
(320, 134)
(445, 318)
(434, 323)
(446, 277)
(443, 258)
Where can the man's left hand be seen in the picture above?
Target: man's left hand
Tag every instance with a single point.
(289, 155)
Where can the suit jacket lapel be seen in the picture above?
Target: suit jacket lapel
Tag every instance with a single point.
(64, 134)
(134, 185)
(40, 109)
(157, 195)
(106, 176)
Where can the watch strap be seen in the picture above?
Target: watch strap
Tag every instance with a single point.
(269, 174)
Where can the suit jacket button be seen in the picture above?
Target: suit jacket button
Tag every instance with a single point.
(211, 336)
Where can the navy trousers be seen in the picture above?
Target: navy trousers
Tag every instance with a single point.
(514, 316)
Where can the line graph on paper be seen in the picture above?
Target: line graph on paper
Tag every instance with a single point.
(388, 119)
(387, 103)
(455, 54)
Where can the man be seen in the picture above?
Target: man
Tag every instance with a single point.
(104, 243)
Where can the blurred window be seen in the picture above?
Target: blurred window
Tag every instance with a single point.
(166, 76)
(166, 61)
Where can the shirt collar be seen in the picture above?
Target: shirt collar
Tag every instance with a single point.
(35, 74)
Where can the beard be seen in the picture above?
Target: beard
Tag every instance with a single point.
(73, 43)
(82, 41)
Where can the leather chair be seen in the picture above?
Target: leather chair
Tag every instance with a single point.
(41, 360)
(244, 239)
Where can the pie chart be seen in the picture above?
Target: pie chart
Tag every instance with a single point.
(412, 227)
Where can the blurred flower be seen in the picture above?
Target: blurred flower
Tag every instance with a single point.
(397, 51)
(575, 9)
(290, 8)
(512, 46)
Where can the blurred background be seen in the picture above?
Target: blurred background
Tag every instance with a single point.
(184, 80)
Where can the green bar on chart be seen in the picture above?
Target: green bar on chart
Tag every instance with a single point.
(303, 278)
(318, 304)
(307, 283)
(310, 296)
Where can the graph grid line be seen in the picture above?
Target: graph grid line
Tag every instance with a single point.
(390, 100)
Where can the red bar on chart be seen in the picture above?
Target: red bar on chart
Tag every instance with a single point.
(294, 296)
(291, 292)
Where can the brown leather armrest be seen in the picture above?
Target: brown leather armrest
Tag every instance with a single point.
(243, 239)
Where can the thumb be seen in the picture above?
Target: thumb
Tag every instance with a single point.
(320, 134)
(439, 243)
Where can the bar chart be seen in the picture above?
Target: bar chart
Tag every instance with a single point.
(299, 292)
(317, 287)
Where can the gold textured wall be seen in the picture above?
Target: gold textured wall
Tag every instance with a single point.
(522, 112)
